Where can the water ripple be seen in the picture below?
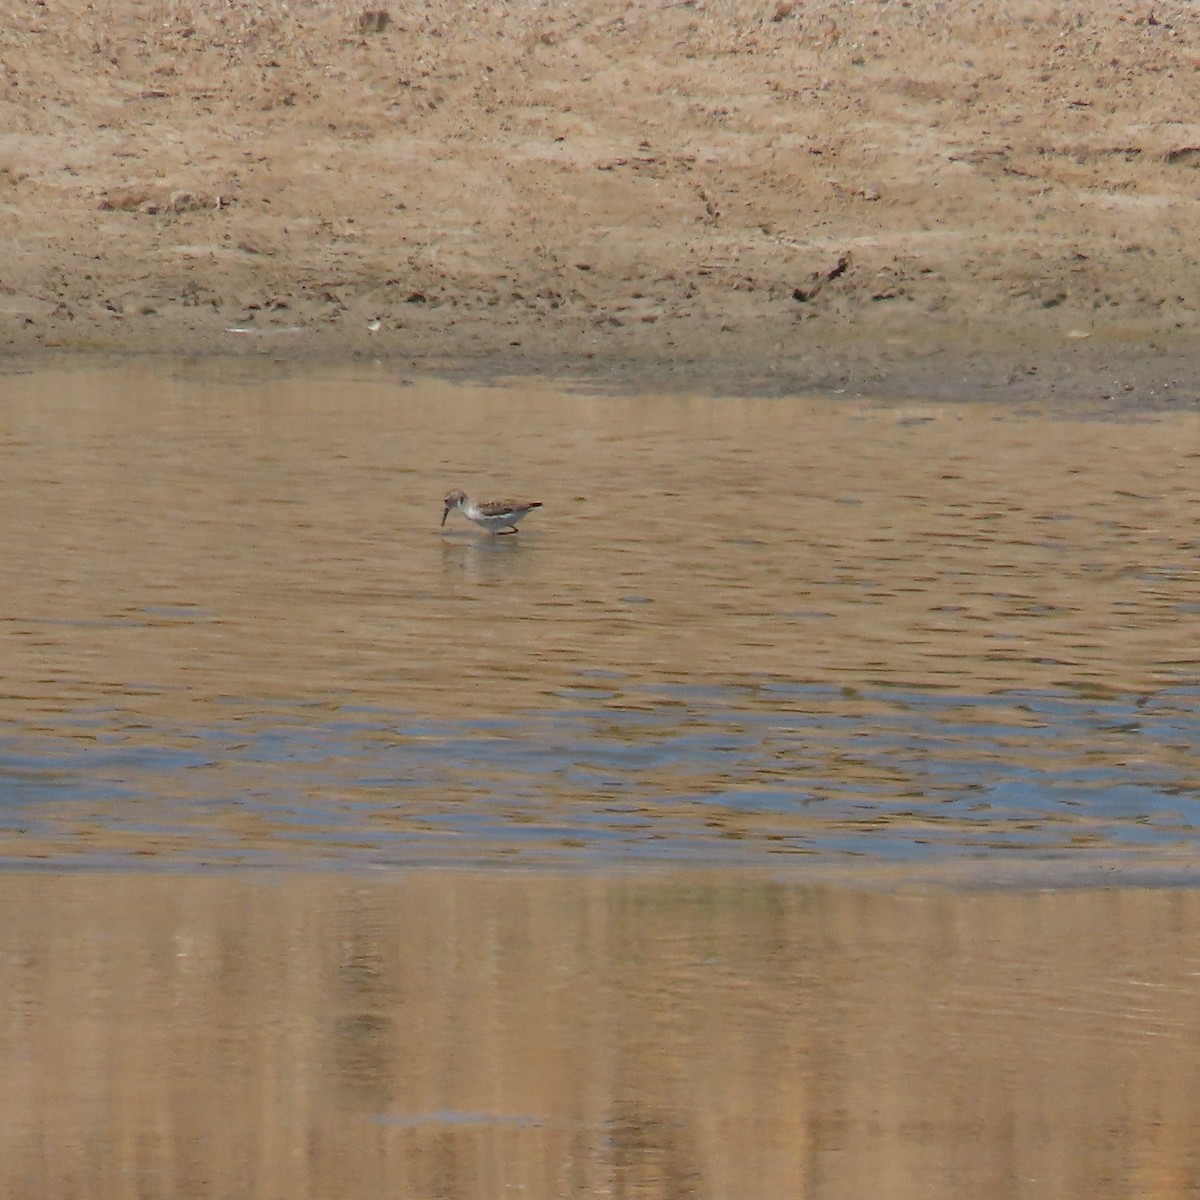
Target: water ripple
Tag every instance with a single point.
(706, 774)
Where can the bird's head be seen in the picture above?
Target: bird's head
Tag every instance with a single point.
(455, 499)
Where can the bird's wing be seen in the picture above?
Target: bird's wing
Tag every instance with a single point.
(500, 508)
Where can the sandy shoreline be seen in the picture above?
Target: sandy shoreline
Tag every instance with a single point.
(906, 197)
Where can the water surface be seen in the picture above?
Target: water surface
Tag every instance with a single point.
(491, 1034)
(738, 712)
(740, 631)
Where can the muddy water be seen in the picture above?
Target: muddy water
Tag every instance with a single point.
(738, 630)
(494, 1034)
(756, 670)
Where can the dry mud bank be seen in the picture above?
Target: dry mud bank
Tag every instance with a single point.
(892, 195)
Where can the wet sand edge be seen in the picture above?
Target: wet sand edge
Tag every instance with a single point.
(1125, 371)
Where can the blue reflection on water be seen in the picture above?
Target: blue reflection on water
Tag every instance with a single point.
(704, 774)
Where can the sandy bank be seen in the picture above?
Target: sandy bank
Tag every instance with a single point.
(897, 195)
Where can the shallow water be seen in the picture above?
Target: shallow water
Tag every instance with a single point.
(639, 1035)
(741, 631)
(758, 671)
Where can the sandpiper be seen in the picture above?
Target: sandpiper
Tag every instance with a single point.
(496, 516)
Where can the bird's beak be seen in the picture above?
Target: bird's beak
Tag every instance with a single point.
(445, 513)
